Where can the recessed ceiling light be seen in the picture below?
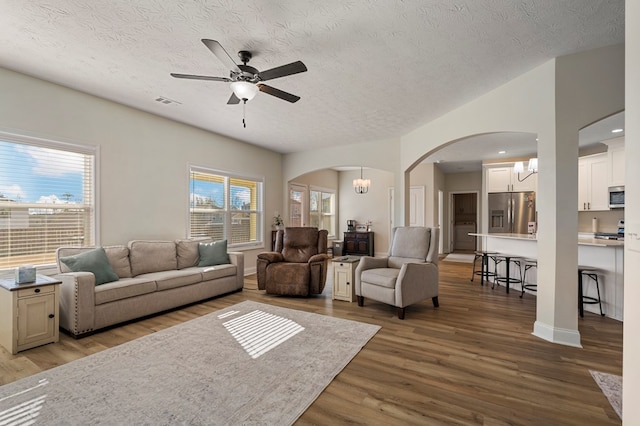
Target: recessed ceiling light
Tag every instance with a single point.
(502, 152)
(617, 130)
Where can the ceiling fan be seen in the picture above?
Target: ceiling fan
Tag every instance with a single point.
(246, 81)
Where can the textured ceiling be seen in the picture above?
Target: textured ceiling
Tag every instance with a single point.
(377, 69)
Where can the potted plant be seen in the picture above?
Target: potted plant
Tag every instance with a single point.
(278, 223)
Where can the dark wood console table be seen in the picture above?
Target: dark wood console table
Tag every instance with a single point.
(358, 243)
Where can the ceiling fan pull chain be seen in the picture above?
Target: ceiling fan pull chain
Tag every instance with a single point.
(244, 113)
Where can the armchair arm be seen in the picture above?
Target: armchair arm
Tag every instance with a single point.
(263, 260)
(77, 302)
(321, 257)
(271, 256)
(416, 282)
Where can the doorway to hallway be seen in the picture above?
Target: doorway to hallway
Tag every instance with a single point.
(463, 220)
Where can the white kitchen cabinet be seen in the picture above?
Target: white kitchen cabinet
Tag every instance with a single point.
(593, 183)
(616, 161)
(503, 179)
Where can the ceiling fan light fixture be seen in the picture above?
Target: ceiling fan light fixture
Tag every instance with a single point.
(244, 90)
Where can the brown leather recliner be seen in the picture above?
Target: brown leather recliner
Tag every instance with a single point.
(298, 264)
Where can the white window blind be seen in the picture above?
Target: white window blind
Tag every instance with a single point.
(227, 207)
(47, 199)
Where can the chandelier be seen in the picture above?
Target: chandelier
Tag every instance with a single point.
(361, 186)
(518, 168)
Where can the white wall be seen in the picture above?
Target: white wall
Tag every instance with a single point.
(631, 351)
(374, 205)
(144, 158)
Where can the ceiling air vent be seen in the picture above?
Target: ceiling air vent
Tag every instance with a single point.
(167, 101)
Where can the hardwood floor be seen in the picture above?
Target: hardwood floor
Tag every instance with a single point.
(471, 361)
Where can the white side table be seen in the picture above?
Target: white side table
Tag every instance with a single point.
(344, 272)
(29, 313)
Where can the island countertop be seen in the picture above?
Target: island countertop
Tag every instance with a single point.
(585, 241)
(607, 256)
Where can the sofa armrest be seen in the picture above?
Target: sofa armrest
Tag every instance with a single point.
(416, 282)
(77, 302)
(237, 258)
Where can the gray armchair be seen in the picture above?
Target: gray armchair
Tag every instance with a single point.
(408, 275)
(298, 264)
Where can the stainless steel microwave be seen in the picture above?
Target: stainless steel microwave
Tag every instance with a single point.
(616, 197)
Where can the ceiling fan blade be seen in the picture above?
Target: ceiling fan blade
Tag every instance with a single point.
(200, 77)
(278, 93)
(233, 99)
(221, 54)
(284, 70)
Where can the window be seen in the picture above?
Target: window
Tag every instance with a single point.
(225, 207)
(297, 195)
(47, 199)
(322, 210)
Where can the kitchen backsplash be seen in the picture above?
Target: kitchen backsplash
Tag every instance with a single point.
(607, 220)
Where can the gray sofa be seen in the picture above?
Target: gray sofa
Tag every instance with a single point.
(152, 276)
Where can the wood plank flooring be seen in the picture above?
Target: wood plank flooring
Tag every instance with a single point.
(471, 361)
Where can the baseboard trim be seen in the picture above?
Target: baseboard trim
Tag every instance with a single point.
(562, 336)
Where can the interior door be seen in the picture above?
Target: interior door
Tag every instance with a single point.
(297, 202)
(416, 206)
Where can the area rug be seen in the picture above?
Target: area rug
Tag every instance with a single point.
(459, 257)
(248, 364)
(611, 386)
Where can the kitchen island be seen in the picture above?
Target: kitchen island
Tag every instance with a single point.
(606, 255)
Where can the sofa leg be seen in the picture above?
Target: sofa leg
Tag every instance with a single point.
(401, 313)
(435, 301)
(360, 300)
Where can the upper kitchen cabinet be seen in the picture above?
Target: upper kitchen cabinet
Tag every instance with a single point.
(593, 182)
(503, 179)
(616, 161)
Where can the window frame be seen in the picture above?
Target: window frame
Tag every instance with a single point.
(226, 210)
(60, 144)
(322, 190)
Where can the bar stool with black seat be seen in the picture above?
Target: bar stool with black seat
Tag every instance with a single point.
(508, 259)
(525, 265)
(587, 271)
(483, 272)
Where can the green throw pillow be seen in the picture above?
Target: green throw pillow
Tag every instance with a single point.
(95, 261)
(213, 253)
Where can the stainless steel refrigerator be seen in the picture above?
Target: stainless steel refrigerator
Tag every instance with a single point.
(511, 212)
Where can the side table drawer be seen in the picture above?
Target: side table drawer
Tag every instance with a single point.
(33, 291)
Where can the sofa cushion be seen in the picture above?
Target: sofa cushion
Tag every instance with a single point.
(119, 259)
(187, 251)
(152, 256)
(123, 289)
(213, 253)
(172, 279)
(94, 261)
(218, 271)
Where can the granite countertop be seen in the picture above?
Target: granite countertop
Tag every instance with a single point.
(582, 240)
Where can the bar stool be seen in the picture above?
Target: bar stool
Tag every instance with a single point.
(587, 271)
(507, 279)
(483, 272)
(526, 265)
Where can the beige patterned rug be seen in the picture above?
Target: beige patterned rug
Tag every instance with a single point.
(248, 364)
(611, 386)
